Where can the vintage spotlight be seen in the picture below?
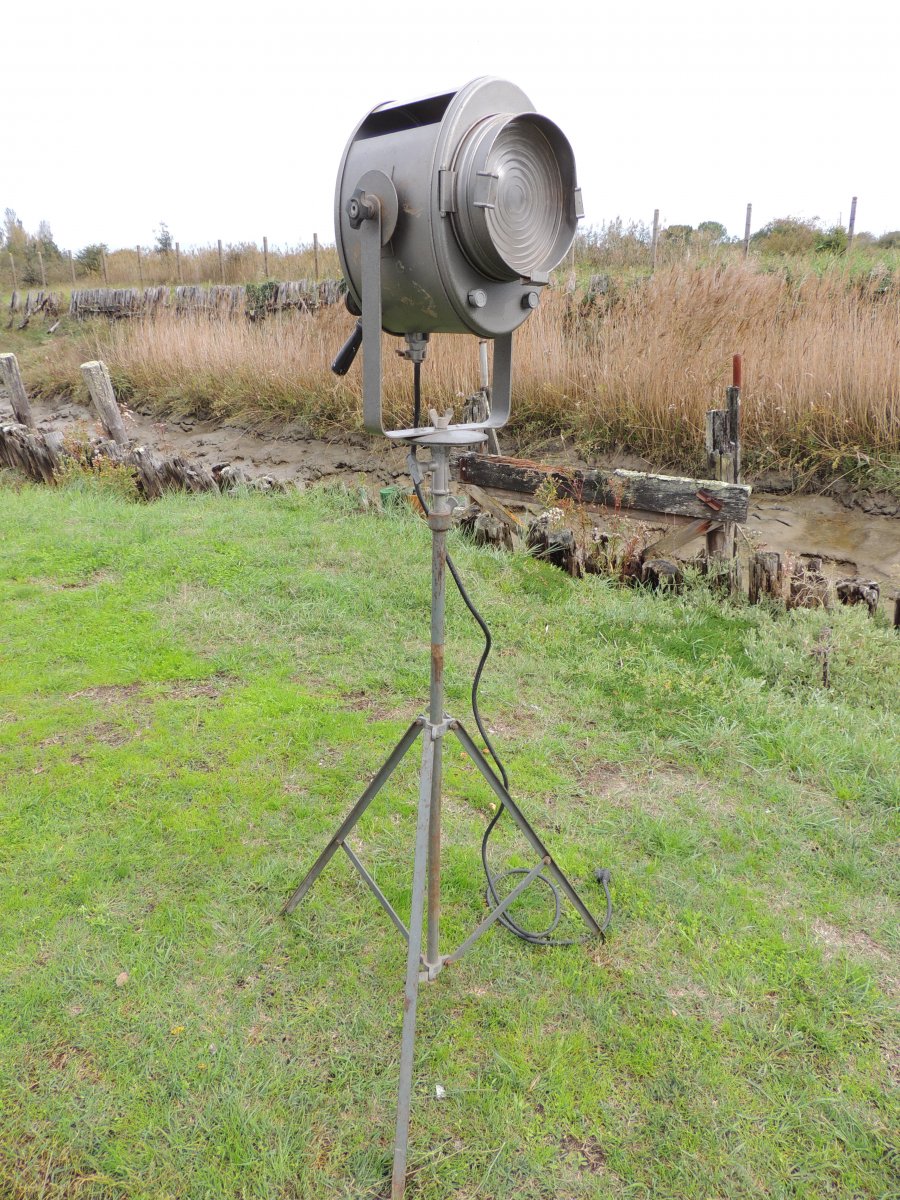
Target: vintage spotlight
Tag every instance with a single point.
(450, 213)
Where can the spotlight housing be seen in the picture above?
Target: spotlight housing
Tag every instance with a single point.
(450, 213)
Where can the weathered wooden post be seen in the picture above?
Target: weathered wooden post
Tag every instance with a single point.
(265, 257)
(654, 240)
(766, 576)
(12, 381)
(747, 231)
(859, 591)
(41, 263)
(99, 384)
(852, 224)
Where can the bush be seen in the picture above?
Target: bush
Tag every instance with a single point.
(788, 235)
(90, 259)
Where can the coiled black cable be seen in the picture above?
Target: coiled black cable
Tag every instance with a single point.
(542, 937)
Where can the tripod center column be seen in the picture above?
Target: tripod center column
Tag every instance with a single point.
(440, 523)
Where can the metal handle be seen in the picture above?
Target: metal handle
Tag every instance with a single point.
(344, 360)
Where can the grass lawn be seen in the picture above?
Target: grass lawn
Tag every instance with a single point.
(191, 695)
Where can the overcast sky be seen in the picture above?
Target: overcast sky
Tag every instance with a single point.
(228, 119)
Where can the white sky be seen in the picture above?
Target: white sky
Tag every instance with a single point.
(228, 119)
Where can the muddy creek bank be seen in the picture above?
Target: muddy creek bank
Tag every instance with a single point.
(850, 540)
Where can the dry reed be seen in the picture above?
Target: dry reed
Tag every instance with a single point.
(637, 370)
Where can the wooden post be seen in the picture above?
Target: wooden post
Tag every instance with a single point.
(654, 241)
(266, 257)
(747, 231)
(766, 576)
(859, 591)
(316, 254)
(12, 263)
(140, 268)
(221, 264)
(719, 463)
(99, 384)
(852, 224)
(12, 381)
(178, 261)
(72, 268)
(41, 262)
(103, 265)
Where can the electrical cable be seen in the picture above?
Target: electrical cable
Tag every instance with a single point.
(542, 937)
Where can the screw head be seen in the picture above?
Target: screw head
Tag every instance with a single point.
(477, 298)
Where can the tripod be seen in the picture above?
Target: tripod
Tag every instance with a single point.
(433, 729)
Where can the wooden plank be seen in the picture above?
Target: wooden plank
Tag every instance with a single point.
(619, 490)
(12, 381)
(676, 538)
(493, 506)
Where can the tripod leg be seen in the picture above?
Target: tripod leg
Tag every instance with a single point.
(378, 782)
(413, 966)
(522, 821)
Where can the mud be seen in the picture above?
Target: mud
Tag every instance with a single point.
(850, 540)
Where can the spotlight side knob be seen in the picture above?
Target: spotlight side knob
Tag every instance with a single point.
(477, 298)
(531, 299)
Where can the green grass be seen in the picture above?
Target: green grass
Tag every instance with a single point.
(191, 694)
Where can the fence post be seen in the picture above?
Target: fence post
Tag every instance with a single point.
(852, 225)
(316, 254)
(266, 256)
(140, 268)
(12, 381)
(654, 241)
(747, 231)
(221, 264)
(72, 268)
(178, 261)
(99, 384)
(41, 262)
(12, 263)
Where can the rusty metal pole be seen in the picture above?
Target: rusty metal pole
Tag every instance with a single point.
(440, 523)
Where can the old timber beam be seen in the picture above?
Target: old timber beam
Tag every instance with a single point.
(697, 499)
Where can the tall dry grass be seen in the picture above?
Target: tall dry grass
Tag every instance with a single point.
(637, 370)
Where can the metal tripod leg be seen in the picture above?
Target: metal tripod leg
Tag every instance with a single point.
(378, 782)
(413, 965)
(521, 820)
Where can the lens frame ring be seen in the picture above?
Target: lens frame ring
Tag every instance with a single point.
(485, 233)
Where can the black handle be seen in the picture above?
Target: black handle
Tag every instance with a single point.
(348, 351)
